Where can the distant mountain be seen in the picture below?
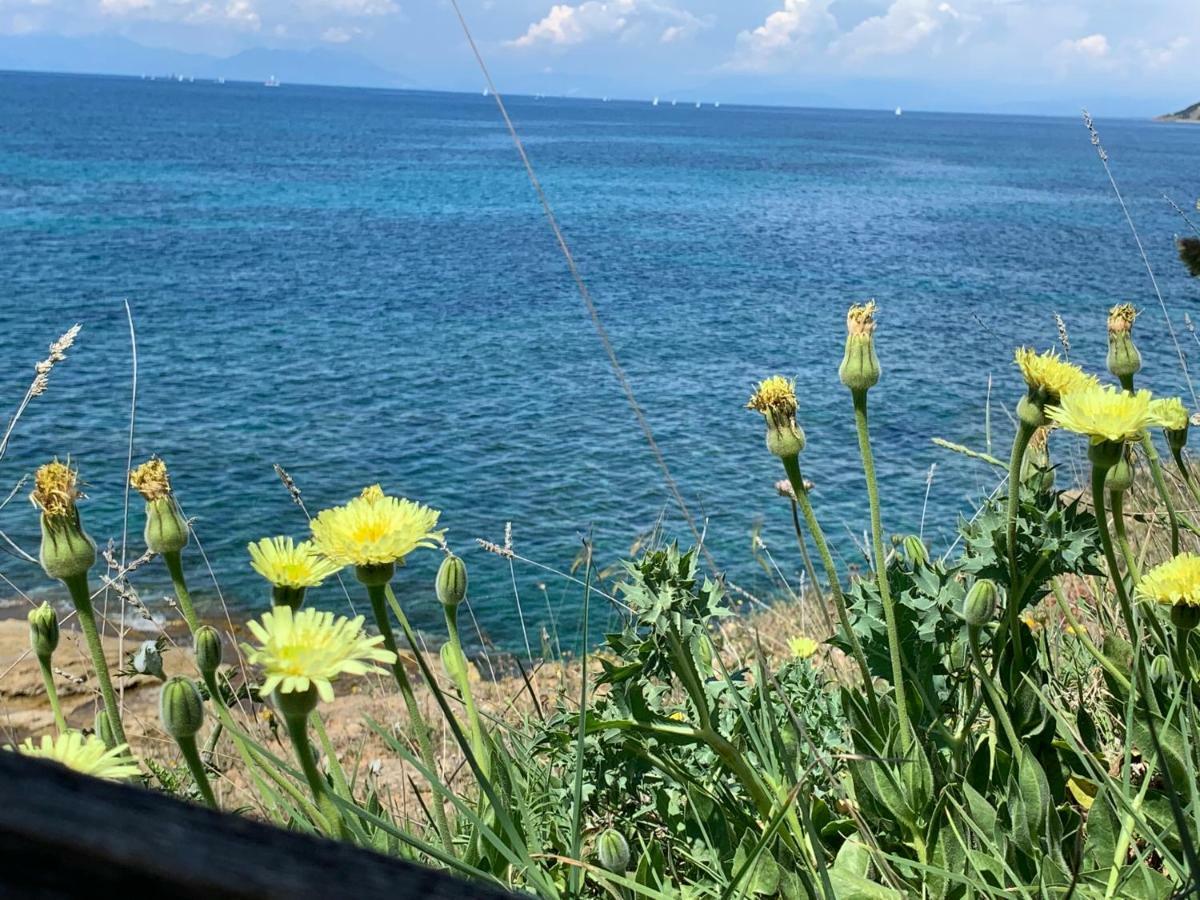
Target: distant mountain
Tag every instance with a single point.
(1191, 114)
(120, 56)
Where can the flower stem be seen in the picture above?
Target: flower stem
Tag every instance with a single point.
(297, 727)
(995, 701)
(1186, 472)
(1117, 503)
(1013, 604)
(377, 593)
(791, 465)
(191, 755)
(881, 576)
(1160, 484)
(1110, 556)
(60, 721)
(1086, 639)
(461, 676)
(81, 597)
(174, 563)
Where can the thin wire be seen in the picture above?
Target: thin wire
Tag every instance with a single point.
(584, 293)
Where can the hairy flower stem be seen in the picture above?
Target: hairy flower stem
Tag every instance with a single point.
(881, 576)
(1098, 475)
(791, 465)
(1160, 485)
(995, 701)
(1186, 472)
(1013, 600)
(297, 726)
(60, 721)
(191, 755)
(174, 563)
(1117, 504)
(81, 598)
(378, 595)
(461, 675)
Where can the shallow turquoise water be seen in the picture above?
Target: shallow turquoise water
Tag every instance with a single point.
(360, 286)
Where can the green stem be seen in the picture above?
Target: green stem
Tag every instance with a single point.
(191, 755)
(881, 576)
(1160, 485)
(1013, 600)
(1186, 473)
(791, 465)
(210, 746)
(1086, 639)
(297, 727)
(1117, 503)
(995, 701)
(377, 593)
(174, 563)
(1110, 556)
(335, 768)
(461, 675)
(60, 721)
(81, 598)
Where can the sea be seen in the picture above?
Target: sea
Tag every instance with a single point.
(360, 286)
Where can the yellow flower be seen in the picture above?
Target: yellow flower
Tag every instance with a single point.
(88, 755)
(1171, 412)
(1051, 375)
(802, 646)
(55, 489)
(1030, 622)
(151, 480)
(375, 529)
(1105, 413)
(1173, 583)
(287, 564)
(308, 649)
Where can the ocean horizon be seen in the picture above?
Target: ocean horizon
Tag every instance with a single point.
(358, 284)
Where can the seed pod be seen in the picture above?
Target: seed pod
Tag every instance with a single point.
(451, 582)
(980, 603)
(43, 631)
(181, 707)
(859, 370)
(1120, 477)
(613, 851)
(1124, 360)
(207, 647)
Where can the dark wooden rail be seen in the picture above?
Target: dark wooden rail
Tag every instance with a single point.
(64, 835)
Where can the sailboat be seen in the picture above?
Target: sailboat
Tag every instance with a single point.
(486, 92)
(899, 111)
(654, 102)
(716, 104)
(271, 82)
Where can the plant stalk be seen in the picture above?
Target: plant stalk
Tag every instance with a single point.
(60, 721)
(191, 755)
(81, 598)
(174, 563)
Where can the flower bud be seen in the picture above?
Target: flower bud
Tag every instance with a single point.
(1036, 470)
(1160, 669)
(166, 529)
(775, 398)
(67, 551)
(1120, 477)
(980, 603)
(613, 851)
(207, 646)
(43, 631)
(915, 551)
(181, 707)
(451, 581)
(1124, 360)
(859, 370)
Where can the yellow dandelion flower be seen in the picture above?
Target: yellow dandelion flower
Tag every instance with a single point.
(151, 480)
(310, 648)
(1050, 375)
(1171, 412)
(375, 529)
(803, 646)
(285, 563)
(1105, 413)
(89, 755)
(1173, 583)
(1030, 622)
(55, 489)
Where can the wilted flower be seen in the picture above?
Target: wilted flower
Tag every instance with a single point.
(308, 649)
(775, 398)
(67, 552)
(166, 529)
(1124, 360)
(88, 755)
(375, 529)
(859, 370)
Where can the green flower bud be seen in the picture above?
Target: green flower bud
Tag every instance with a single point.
(207, 646)
(1185, 617)
(980, 603)
(859, 370)
(775, 398)
(1031, 410)
(451, 581)
(375, 575)
(1124, 360)
(104, 730)
(1036, 470)
(613, 851)
(166, 529)
(915, 551)
(1120, 477)
(67, 551)
(181, 707)
(1160, 669)
(43, 631)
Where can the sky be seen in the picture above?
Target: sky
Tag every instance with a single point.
(1124, 56)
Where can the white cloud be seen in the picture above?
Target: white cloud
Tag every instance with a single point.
(1160, 57)
(236, 14)
(1094, 46)
(566, 25)
(801, 26)
(340, 34)
(905, 26)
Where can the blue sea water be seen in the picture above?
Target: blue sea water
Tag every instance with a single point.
(359, 285)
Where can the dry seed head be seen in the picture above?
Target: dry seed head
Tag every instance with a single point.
(55, 489)
(1121, 318)
(775, 396)
(860, 320)
(151, 480)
